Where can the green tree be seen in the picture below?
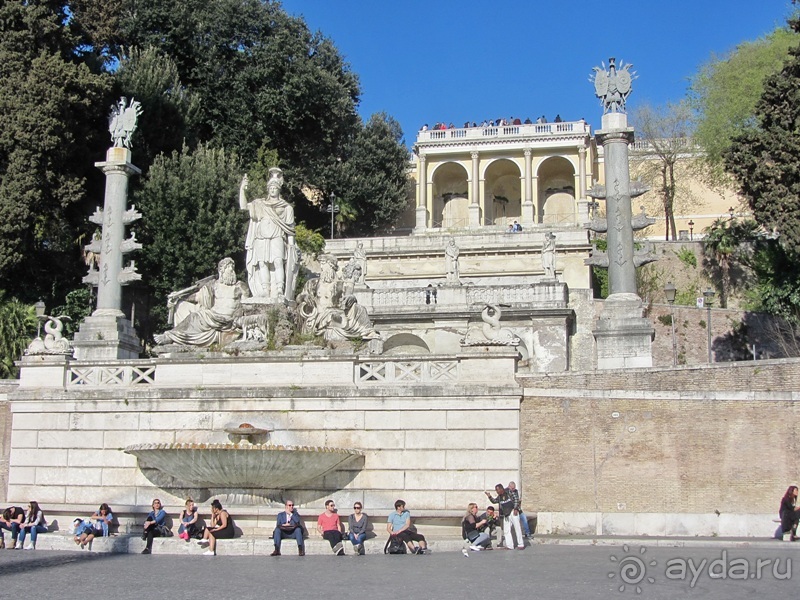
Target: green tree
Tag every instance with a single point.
(725, 90)
(191, 220)
(168, 108)
(50, 107)
(667, 157)
(374, 179)
(17, 328)
(765, 159)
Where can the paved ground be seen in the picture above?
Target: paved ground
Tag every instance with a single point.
(541, 572)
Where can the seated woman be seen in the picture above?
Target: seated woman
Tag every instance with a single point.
(102, 519)
(357, 524)
(221, 528)
(789, 512)
(189, 527)
(83, 532)
(154, 525)
(33, 524)
(473, 529)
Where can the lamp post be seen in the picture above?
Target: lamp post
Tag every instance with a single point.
(691, 229)
(709, 300)
(731, 212)
(333, 209)
(669, 292)
(40, 309)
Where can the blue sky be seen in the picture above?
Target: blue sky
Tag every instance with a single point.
(447, 60)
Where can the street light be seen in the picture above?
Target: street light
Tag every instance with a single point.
(333, 209)
(731, 212)
(691, 229)
(709, 300)
(669, 292)
(40, 309)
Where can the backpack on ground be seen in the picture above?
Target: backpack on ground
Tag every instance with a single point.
(394, 545)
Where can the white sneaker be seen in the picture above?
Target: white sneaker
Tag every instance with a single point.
(203, 543)
(18, 546)
(30, 547)
(475, 548)
(209, 553)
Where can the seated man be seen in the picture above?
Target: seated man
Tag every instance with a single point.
(288, 526)
(330, 527)
(492, 521)
(399, 524)
(11, 521)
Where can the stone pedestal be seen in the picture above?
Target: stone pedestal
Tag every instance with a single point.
(622, 334)
(422, 220)
(527, 213)
(106, 335)
(474, 216)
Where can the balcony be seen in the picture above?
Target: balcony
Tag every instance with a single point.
(504, 132)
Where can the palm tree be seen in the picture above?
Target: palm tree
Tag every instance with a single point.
(723, 240)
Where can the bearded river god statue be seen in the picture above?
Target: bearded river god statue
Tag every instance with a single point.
(206, 313)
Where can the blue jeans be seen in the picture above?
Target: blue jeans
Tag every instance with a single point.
(526, 528)
(14, 529)
(35, 531)
(279, 534)
(357, 539)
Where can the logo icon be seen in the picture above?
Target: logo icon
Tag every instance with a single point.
(632, 569)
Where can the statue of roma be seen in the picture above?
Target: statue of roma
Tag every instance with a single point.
(272, 258)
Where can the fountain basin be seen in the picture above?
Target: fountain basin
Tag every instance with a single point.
(242, 466)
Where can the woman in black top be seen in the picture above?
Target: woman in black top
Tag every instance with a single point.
(789, 512)
(221, 528)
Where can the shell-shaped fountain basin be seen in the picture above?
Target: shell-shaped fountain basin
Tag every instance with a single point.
(256, 466)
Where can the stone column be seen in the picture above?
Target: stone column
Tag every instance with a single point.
(623, 336)
(537, 217)
(474, 206)
(527, 198)
(107, 334)
(580, 188)
(422, 204)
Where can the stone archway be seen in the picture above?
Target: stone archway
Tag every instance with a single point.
(556, 203)
(502, 193)
(450, 196)
(405, 343)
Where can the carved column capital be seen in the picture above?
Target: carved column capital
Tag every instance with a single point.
(528, 152)
(475, 155)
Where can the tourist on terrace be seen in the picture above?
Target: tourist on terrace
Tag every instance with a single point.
(154, 525)
(102, 519)
(527, 121)
(189, 526)
(288, 526)
(357, 525)
(514, 493)
(472, 526)
(83, 532)
(330, 527)
(221, 528)
(34, 524)
(789, 512)
(11, 521)
(399, 525)
(558, 119)
(510, 512)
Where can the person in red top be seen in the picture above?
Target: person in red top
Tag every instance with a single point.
(330, 528)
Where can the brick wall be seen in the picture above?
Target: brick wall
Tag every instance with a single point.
(693, 440)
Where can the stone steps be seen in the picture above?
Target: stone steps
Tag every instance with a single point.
(241, 546)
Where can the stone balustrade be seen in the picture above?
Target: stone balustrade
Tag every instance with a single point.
(504, 131)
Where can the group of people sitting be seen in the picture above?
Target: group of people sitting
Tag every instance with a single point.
(20, 524)
(479, 530)
(491, 123)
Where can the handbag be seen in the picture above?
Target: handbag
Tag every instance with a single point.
(473, 535)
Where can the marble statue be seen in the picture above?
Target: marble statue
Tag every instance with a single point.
(206, 313)
(490, 333)
(122, 121)
(451, 253)
(54, 342)
(272, 257)
(549, 255)
(613, 86)
(360, 257)
(326, 309)
(351, 273)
